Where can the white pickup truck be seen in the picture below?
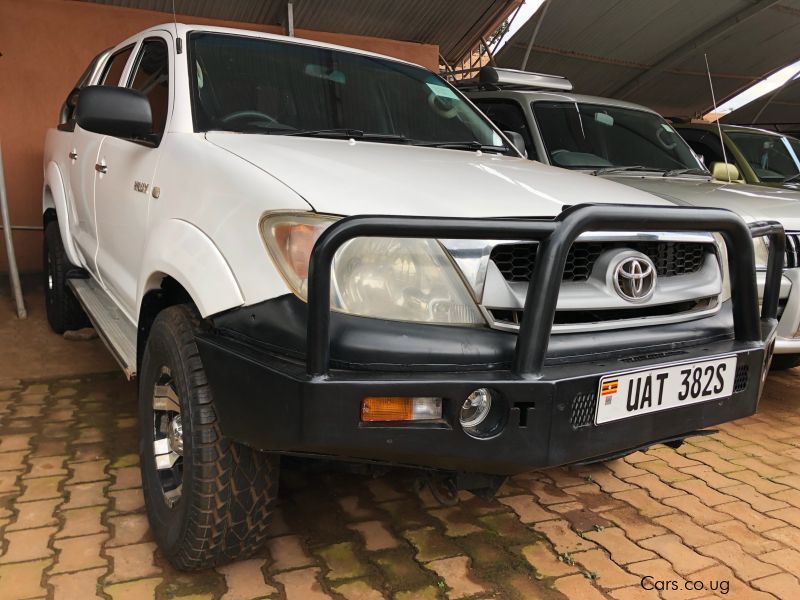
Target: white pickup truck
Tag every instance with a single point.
(305, 249)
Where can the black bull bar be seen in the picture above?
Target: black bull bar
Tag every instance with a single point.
(555, 237)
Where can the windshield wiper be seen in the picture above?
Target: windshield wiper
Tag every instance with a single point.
(690, 171)
(792, 178)
(346, 134)
(605, 170)
(473, 145)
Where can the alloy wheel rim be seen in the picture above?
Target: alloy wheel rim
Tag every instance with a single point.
(168, 437)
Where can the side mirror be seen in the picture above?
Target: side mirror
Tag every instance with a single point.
(725, 171)
(114, 111)
(518, 141)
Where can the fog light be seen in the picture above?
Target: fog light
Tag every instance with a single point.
(475, 408)
(399, 408)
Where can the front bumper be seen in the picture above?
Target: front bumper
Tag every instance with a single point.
(271, 404)
(276, 401)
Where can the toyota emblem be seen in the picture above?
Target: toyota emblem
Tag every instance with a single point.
(635, 278)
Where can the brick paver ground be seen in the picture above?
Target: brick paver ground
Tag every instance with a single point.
(721, 513)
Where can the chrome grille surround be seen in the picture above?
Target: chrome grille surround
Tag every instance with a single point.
(691, 292)
(792, 259)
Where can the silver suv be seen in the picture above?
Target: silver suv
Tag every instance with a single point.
(634, 145)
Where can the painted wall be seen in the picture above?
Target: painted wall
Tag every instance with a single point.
(44, 47)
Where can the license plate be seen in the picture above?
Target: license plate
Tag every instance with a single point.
(644, 391)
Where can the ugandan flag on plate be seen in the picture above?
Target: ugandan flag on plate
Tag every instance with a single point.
(609, 388)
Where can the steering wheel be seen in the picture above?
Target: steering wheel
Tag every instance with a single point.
(443, 105)
(667, 143)
(243, 114)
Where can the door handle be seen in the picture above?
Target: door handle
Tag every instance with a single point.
(100, 168)
(73, 155)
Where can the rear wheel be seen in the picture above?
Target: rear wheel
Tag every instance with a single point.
(64, 312)
(782, 362)
(208, 498)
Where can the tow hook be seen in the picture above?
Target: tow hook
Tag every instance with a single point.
(444, 487)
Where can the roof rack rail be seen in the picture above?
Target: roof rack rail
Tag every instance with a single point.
(493, 78)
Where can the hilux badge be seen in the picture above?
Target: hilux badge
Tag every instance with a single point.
(635, 278)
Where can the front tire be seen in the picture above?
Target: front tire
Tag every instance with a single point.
(208, 498)
(64, 312)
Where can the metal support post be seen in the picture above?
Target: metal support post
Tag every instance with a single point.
(13, 273)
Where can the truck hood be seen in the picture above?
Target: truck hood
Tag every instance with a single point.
(352, 177)
(752, 203)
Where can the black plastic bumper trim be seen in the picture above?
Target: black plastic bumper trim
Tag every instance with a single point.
(278, 326)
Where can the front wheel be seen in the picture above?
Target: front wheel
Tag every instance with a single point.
(782, 362)
(208, 498)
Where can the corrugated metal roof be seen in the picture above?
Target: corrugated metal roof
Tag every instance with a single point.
(782, 109)
(652, 52)
(454, 25)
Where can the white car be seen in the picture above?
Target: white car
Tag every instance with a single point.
(206, 202)
(634, 145)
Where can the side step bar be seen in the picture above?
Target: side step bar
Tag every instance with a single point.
(113, 327)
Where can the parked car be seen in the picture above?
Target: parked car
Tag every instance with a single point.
(210, 204)
(633, 145)
(760, 157)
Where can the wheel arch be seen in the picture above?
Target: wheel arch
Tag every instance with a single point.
(54, 208)
(49, 211)
(182, 265)
(168, 292)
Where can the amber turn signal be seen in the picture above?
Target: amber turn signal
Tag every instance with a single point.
(400, 408)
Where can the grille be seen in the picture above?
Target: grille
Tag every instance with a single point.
(583, 408)
(741, 378)
(515, 261)
(792, 249)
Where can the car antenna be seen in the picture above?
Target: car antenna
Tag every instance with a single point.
(719, 127)
(178, 42)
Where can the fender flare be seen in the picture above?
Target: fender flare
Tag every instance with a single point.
(180, 250)
(58, 201)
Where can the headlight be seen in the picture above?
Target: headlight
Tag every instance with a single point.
(761, 251)
(290, 239)
(385, 278)
(401, 279)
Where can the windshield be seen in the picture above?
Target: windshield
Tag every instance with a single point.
(256, 85)
(768, 155)
(591, 136)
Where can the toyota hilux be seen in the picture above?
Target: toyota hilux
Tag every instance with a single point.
(304, 249)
